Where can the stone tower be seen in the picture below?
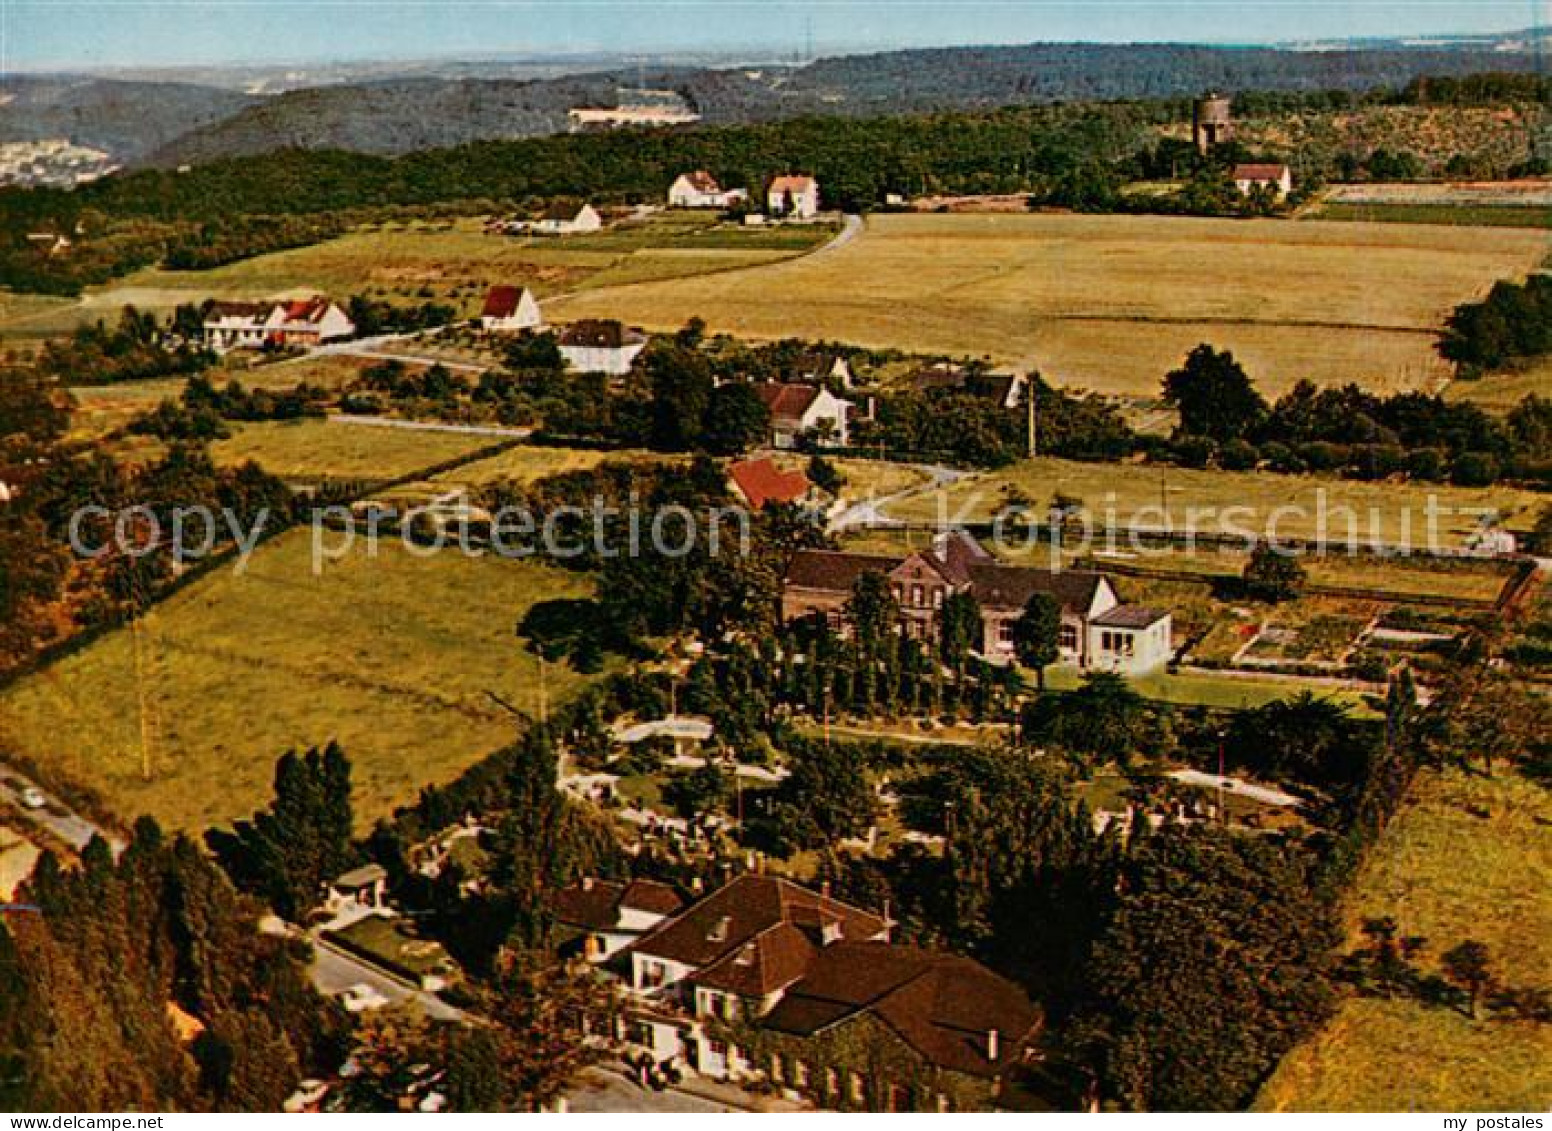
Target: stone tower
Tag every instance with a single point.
(1212, 123)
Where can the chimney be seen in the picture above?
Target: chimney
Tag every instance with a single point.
(993, 1043)
(824, 889)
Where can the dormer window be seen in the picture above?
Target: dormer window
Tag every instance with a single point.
(719, 930)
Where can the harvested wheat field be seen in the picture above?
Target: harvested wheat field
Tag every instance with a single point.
(1113, 302)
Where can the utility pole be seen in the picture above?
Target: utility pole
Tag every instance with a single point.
(1029, 400)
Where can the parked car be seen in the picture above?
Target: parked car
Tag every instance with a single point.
(361, 997)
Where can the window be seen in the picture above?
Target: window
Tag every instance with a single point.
(800, 1074)
(653, 975)
(1068, 638)
(857, 1089)
(776, 1073)
(716, 1047)
(916, 596)
(937, 598)
(1004, 632)
(832, 1082)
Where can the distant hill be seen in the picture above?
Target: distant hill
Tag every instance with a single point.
(127, 119)
(399, 115)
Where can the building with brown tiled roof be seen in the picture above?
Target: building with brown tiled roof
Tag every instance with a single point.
(765, 978)
(862, 1009)
(1097, 631)
(603, 917)
(600, 345)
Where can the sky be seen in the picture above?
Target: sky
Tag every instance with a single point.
(37, 34)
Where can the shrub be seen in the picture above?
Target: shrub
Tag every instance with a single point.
(1475, 469)
(1238, 455)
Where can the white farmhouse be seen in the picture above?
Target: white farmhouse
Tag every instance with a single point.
(568, 220)
(510, 310)
(1248, 177)
(701, 190)
(794, 196)
(796, 409)
(601, 346)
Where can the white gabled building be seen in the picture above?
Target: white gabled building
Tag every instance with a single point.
(1249, 177)
(701, 190)
(794, 196)
(568, 220)
(510, 310)
(796, 409)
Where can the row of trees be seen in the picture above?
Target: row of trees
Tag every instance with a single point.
(96, 958)
(1225, 420)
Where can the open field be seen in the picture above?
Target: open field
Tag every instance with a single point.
(391, 656)
(527, 463)
(102, 408)
(1138, 492)
(1113, 302)
(452, 261)
(1467, 215)
(1448, 876)
(317, 449)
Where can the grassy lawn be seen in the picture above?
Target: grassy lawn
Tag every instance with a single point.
(391, 656)
(1500, 392)
(528, 463)
(1113, 302)
(388, 942)
(1448, 876)
(324, 449)
(1204, 689)
(1135, 492)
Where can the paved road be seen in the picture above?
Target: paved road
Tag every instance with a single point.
(605, 1090)
(54, 818)
(334, 971)
(850, 230)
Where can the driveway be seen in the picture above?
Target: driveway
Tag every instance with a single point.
(334, 971)
(870, 512)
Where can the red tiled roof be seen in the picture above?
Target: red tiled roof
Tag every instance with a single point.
(702, 181)
(742, 911)
(786, 402)
(772, 960)
(942, 1005)
(760, 481)
(651, 896)
(501, 302)
(1259, 172)
(792, 184)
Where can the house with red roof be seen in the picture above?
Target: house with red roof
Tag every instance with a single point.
(510, 310)
(760, 482)
(309, 322)
(798, 409)
(796, 196)
(600, 345)
(251, 325)
(701, 190)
